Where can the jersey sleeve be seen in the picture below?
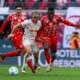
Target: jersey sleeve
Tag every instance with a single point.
(5, 23)
(67, 22)
(40, 31)
(24, 23)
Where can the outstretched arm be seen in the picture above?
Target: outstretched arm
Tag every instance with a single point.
(67, 22)
(14, 28)
(5, 24)
(23, 24)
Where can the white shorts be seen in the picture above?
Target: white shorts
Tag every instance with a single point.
(32, 43)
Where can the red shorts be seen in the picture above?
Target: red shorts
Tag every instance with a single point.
(17, 41)
(52, 40)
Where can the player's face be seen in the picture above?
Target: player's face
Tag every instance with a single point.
(50, 15)
(35, 18)
(18, 10)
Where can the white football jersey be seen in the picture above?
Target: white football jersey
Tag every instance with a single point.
(30, 28)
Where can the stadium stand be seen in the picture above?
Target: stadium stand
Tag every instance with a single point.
(40, 4)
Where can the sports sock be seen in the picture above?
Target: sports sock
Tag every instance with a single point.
(29, 62)
(53, 56)
(11, 54)
(47, 55)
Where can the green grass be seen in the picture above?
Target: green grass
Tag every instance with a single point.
(55, 74)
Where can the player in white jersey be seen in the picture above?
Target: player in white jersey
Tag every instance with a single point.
(31, 27)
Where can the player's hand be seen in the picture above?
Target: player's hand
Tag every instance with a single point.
(44, 38)
(78, 26)
(10, 36)
(33, 30)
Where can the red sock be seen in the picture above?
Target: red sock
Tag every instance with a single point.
(52, 59)
(47, 55)
(29, 62)
(11, 54)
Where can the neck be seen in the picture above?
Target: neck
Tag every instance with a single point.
(33, 21)
(18, 15)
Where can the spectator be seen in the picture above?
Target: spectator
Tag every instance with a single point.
(64, 4)
(75, 41)
(10, 3)
(78, 3)
(21, 2)
(51, 3)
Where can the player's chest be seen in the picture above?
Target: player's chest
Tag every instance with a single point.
(16, 20)
(52, 23)
(33, 26)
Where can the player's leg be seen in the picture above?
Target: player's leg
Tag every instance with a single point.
(46, 46)
(53, 56)
(23, 70)
(9, 54)
(54, 40)
(16, 40)
(27, 45)
(35, 50)
(26, 50)
(36, 65)
(29, 61)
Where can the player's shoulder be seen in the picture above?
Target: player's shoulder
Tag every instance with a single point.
(57, 15)
(27, 21)
(44, 17)
(11, 15)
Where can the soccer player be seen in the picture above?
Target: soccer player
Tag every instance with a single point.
(48, 34)
(31, 27)
(14, 19)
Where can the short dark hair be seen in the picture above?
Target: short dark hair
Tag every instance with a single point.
(50, 9)
(76, 33)
(18, 5)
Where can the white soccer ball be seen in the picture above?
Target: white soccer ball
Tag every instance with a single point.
(13, 70)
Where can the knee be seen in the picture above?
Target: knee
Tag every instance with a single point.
(29, 51)
(36, 55)
(45, 45)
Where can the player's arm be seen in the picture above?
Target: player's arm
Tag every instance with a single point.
(15, 28)
(67, 22)
(39, 32)
(39, 36)
(23, 24)
(5, 24)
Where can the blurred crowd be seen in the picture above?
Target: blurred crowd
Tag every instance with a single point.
(40, 4)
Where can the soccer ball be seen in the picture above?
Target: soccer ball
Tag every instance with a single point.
(13, 70)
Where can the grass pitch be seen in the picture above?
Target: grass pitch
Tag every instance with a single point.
(55, 74)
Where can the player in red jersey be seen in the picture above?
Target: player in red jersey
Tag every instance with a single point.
(48, 34)
(14, 19)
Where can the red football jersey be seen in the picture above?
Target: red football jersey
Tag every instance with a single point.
(13, 19)
(49, 28)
